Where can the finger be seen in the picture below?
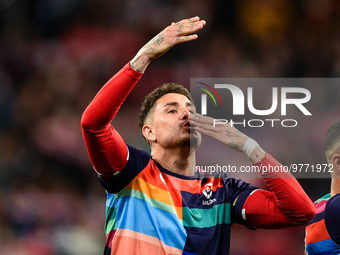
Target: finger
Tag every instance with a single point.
(186, 38)
(203, 126)
(193, 19)
(201, 118)
(206, 132)
(190, 27)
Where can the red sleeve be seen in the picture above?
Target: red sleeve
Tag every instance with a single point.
(106, 148)
(286, 205)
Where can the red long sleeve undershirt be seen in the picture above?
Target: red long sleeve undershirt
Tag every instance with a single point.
(285, 205)
(106, 148)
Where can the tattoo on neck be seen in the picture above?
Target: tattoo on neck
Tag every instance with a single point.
(181, 165)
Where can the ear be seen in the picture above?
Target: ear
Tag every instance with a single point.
(148, 132)
(336, 163)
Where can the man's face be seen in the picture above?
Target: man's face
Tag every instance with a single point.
(170, 122)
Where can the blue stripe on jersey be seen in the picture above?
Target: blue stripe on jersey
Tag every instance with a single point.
(156, 222)
(189, 253)
(326, 247)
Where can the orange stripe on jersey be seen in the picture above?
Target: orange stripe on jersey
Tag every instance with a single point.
(150, 190)
(156, 188)
(316, 232)
(152, 175)
(173, 185)
(131, 242)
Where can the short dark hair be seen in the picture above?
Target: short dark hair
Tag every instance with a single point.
(332, 136)
(151, 99)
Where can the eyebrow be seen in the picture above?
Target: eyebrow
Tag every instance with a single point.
(176, 104)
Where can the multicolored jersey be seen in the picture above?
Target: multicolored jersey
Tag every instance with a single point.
(322, 232)
(151, 210)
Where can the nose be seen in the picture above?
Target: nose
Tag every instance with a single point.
(186, 114)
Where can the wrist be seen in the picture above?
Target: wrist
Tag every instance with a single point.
(257, 155)
(253, 151)
(249, 146)
(140, 62)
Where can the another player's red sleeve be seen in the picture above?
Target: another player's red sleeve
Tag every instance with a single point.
(286, 205)
(106, 148)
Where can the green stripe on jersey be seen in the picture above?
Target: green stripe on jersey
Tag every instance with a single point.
(205, 218)
(111, 221)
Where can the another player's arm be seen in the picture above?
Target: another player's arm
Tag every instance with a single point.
(286, 204)
(332, 221)
(106, 148)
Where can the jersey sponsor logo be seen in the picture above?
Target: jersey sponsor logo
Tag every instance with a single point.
(207, 192)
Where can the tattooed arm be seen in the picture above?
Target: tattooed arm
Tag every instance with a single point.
(286, 204)
(106, 148)
(172, 35)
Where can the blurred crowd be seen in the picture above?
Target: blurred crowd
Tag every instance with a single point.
(54, 57)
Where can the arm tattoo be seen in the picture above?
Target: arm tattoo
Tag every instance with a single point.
(135, 64)
(160, 39)
(233, 145)
(231, 134)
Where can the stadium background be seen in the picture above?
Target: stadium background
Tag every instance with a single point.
(54, 57)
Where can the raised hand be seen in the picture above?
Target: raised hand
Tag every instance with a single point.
(222, 132)
(176, 33)
(227, 134)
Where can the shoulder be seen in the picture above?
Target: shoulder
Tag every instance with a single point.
(137, 161)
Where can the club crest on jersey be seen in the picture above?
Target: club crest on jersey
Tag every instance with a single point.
(207, 192)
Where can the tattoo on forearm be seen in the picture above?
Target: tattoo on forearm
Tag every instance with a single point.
(231, 134)
(160, 39)
(181, 165)
(135, 64)
(233, 145)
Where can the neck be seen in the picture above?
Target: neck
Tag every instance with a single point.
(180, 161)
(335, 186)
